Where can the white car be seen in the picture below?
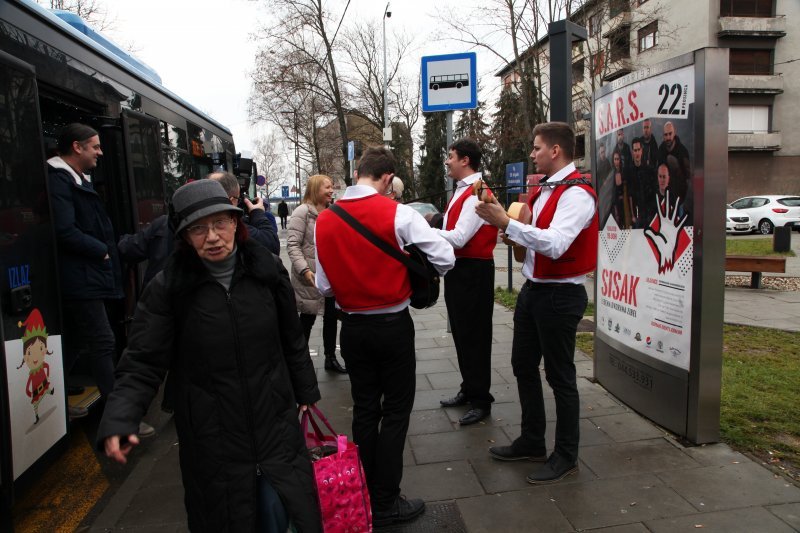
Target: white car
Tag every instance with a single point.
(738, 221)
(769, 211)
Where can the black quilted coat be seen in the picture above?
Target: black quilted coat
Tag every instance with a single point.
(238, 365)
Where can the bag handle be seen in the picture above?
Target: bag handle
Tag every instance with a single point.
(380, 243)
(317, 438)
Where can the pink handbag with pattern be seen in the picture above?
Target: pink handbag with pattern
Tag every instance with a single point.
(339, 477)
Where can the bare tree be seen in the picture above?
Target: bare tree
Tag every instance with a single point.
(270, 156)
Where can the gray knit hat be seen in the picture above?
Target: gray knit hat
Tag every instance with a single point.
(199, 199)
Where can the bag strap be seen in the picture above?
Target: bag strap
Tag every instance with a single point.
(317, 438)
(378, 242)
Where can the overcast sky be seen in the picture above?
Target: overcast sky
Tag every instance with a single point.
(203, 49)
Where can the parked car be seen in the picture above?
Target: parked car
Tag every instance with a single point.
(738, 221)
(768, 211)
(429, 212)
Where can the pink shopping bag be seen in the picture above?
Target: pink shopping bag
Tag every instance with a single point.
(339, 477)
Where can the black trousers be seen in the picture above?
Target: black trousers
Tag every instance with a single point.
(88, 334)
(328, 326)
(469, 295)
(283, 221)
(545, 322)
(379, 353)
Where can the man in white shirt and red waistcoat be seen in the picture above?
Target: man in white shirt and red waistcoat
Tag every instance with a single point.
(373, 290)
(469, 287)
(562, 248)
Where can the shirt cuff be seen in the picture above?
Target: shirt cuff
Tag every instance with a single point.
(514, 229)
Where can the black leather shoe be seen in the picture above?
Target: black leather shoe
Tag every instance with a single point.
(473, 416)
(402, 510)
(333, 365)
(554, 469)
(456, 401)
(509, 453)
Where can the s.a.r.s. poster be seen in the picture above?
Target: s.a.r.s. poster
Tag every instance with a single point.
(644, 152)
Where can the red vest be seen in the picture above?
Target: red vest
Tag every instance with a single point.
(581, 256)
(363, 278)
(481, 245)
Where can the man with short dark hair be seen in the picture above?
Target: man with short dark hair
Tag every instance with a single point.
(642, 184)
(649, 144)
(261, 225)
(283, 213)
(469, 286)
(377, 337)
(89, 266)
(562, 248)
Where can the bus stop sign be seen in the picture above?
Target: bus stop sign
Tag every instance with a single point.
(449, 82)
(285, 191)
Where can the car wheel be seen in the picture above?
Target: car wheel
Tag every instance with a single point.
(765, 227)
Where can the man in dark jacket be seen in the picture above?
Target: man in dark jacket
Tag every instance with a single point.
(87, 256)
(153, 244)
(283, 213)
(260, 225)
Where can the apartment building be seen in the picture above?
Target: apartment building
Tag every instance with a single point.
(764, 93)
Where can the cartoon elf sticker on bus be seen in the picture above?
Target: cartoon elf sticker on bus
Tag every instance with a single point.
(34, 349)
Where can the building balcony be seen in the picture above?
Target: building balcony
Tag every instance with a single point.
(772, 27)
(755, 84)
(754, 141)
(618, 68)
(622, 21)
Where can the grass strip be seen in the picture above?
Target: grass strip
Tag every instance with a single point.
(753, 247)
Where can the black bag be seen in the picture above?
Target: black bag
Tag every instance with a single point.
(422, 274)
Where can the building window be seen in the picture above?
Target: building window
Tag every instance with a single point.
(620, 46)
(577, 71)
(747, 8)
(597, 63)
(595, 21)
(580, 145)
(750, 61)
(748, 119)
(648, 36)
(615, 7)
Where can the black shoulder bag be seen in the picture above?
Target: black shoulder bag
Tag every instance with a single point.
(423, 275)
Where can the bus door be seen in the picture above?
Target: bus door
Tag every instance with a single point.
(142, 141)
(33, 413)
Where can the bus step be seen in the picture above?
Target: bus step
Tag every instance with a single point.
(86, 399)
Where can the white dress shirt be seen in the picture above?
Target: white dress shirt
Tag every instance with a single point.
(574, 212)
(468, 222)
(410, 228)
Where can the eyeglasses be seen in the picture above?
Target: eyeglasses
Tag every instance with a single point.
(201, 230)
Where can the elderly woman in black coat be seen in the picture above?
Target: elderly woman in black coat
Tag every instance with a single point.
(221, 318)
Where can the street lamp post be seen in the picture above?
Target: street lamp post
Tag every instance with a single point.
(386, 14)
(296, 153)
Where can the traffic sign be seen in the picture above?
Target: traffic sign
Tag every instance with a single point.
(449, 82)
(285, 191)
(351, 150)
(261, 180)
(515, 176)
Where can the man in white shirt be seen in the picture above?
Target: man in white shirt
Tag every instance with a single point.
(373, 291)
(562, 248)
(469, 287)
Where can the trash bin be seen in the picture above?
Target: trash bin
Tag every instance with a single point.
(782, 239)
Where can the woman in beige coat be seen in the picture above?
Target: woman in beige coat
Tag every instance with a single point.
(300, 246)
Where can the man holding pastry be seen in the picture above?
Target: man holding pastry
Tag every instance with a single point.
(561, 243)
(469, 286)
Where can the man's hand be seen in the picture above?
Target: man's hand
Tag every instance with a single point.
(492, 212)
(256, 203)
(119, 453)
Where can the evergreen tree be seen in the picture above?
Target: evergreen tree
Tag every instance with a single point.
(508, 132)
(431, 168)
(472, 124)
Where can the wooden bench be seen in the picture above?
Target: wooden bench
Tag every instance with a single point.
(756, 264)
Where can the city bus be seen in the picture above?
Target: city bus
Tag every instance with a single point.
(54, 71)
(449, 80)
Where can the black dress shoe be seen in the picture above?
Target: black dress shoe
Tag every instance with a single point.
(402, 510)
(333, 365)
(509, 453)
(456, 401)
(473, 416)
(554, 469)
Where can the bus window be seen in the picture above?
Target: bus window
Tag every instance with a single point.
(143, 154)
